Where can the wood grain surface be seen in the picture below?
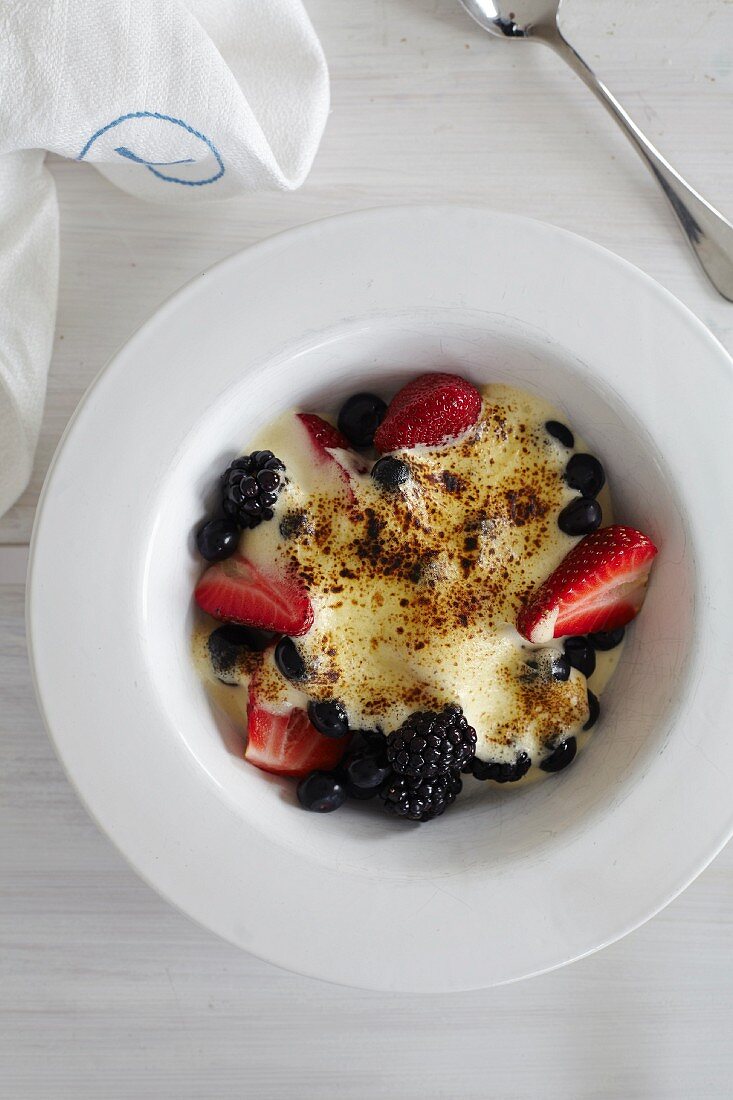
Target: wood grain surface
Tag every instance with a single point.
(105, 991)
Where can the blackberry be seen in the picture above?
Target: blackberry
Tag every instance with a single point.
(429, 744)
(500, 772)
(250, 487)
(421, 799)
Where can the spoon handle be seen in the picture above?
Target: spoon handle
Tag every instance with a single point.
(709, 233)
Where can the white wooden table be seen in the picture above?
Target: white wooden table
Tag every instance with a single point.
(107, 992)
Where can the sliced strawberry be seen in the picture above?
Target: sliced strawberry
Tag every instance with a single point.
(237, 591)
(323, 435)
(429, 410)
(325, 439)
(287, 744)
(599, 585)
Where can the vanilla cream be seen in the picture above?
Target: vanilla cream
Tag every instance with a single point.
(415, 591)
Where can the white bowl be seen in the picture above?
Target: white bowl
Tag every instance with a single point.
(510, 883)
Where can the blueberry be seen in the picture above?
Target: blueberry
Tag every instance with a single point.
(225, 645)
(329, 717)
(289, 660)
(293, 524)
(607, 639)
(499, 772)
(217, 539)
(594, 708)
(581, 516)
(360, 417)
(585, 473)
(361, 794)
(366, 772)
(368, 743)
(560, 757)
(390, 472)
(581, 654)
(321, 793)
(560, 432)
(560, 668)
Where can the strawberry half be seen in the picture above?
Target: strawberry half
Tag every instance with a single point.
(287, 744)
(599, 585)
(429, 410)
(322, 435)
(237, 591)
(324, 438)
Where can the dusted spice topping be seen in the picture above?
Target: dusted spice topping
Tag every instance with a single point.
(416, 580)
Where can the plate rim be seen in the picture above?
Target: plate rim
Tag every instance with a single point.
(253, 254)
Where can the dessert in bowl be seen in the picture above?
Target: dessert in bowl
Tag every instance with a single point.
(516, 877)
(393, 622)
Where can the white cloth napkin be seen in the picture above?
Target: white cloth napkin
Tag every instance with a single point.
(173, 101)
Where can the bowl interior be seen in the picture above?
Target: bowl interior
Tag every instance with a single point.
(487, 830)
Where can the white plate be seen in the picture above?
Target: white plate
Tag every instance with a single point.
(510, 883)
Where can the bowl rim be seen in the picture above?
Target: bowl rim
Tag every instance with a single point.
(340, 230)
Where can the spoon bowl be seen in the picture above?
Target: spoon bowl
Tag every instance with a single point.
(514, 18)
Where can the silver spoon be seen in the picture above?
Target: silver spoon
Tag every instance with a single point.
(709, 233)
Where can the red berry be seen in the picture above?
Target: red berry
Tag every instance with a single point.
(324, 439)
(322, 435)
(287, 744)
(599, 586)
(429, 410)
(236, 591)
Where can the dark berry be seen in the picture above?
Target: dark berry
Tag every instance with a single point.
(560, 432)
(227, 644)
(429, 743)
(368, 742)
(560, 757)
(581, 516)
(250, 487)
(329, 717)
(289, 660)
(321, 793)
(550, 666)
(501, 772)
(293, 524)
(607, 639)
(421, 799)
(390, 472)
(366, 772)
(360, 417)
(360, 794)
(217, 539)
(594, 709)
(581, 654)
(560, 668)
(585, 473)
